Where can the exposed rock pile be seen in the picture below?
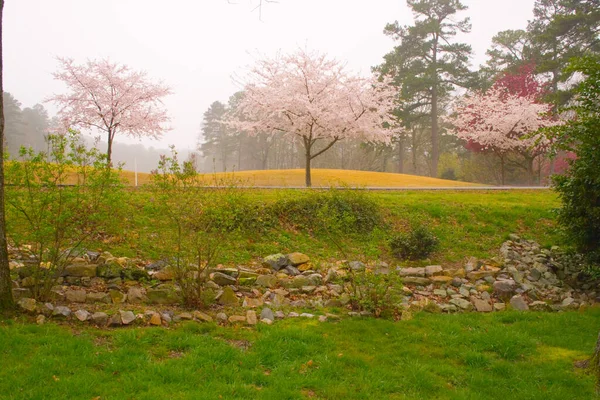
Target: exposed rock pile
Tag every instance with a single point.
(103, 289)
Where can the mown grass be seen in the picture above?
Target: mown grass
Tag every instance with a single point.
(320, 178)
(337, 177)
(467, 224)
(468, 356)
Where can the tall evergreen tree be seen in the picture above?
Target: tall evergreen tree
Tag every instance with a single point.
(216, 137)
(560, 31)
(426, 63)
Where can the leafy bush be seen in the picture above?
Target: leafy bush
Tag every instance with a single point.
(579, 189)
(414, 245)
(340, 210)
(195, 219)
(377, 293)
(57, 200)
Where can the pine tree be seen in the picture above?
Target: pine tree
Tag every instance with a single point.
(426, 63)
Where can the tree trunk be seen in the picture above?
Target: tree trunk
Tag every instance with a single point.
(401, 155)
(530, 172)
(6, 298)
(307, 170)
(502, 170)
(109, 150)
(414, 151)
(435, 149)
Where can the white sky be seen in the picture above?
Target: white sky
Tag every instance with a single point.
(195, 46)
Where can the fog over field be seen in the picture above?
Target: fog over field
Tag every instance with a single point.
(196, 46)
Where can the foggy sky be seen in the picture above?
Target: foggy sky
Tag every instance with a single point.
(195, 46)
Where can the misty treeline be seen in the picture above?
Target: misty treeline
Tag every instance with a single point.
(30, 126)
(431, 70)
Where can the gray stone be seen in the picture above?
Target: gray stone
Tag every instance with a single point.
(200, 316)
(275, 261)
(534, 275)
(267, 281)
(279, 315)
(518, 303)
(20, 293)
(99, 318)
(315, 279)
(297, 259)
(80, 270)
(115, 320)
(98, 297)
(82, 315)
(161, 296)
(415, 280)
(135, 295)
(223, 279)
(411, 272)
(499, 306)
(158, 265)
(251, 317)
(505, 288)
(127, 317)
(307, 315)
(482, 305)
(228, 297)
(298, 282)
(539, 306)
(356, 265)
(462, 304)
(434, 270)
(569, 302)
(75, 296)
(457, 282)
(291, 270)
(440, 292)
(61, 311)
(117, 296)
(109, 270)
(222, 317)
(267, 313)
(27, 304)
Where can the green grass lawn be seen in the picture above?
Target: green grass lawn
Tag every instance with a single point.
(467, 224)
(504, 356)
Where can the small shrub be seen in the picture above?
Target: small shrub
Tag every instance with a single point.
(194, 220)
(377, 293)
(332, 210)
(57, 201)
(414, 245)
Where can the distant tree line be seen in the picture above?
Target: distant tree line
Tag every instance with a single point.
(431, 70)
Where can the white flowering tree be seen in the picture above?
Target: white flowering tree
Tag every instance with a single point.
(311, 98)
(500, 122)
(111, 98)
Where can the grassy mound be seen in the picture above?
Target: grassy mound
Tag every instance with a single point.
(320, 178)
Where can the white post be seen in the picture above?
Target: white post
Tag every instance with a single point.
(135, 168)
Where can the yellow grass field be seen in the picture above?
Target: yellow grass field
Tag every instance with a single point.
(320, 178)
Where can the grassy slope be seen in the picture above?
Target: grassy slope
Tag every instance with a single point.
(467, 223)
(320, 177)
(470, 356)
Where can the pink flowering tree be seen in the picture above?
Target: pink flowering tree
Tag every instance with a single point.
(311, 98)
(501, 123)
(111, 98)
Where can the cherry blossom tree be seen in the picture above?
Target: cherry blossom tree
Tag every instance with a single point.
(111, 98)
(501, 122)
(311, 98)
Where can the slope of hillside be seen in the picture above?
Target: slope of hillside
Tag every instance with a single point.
(320, 178)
